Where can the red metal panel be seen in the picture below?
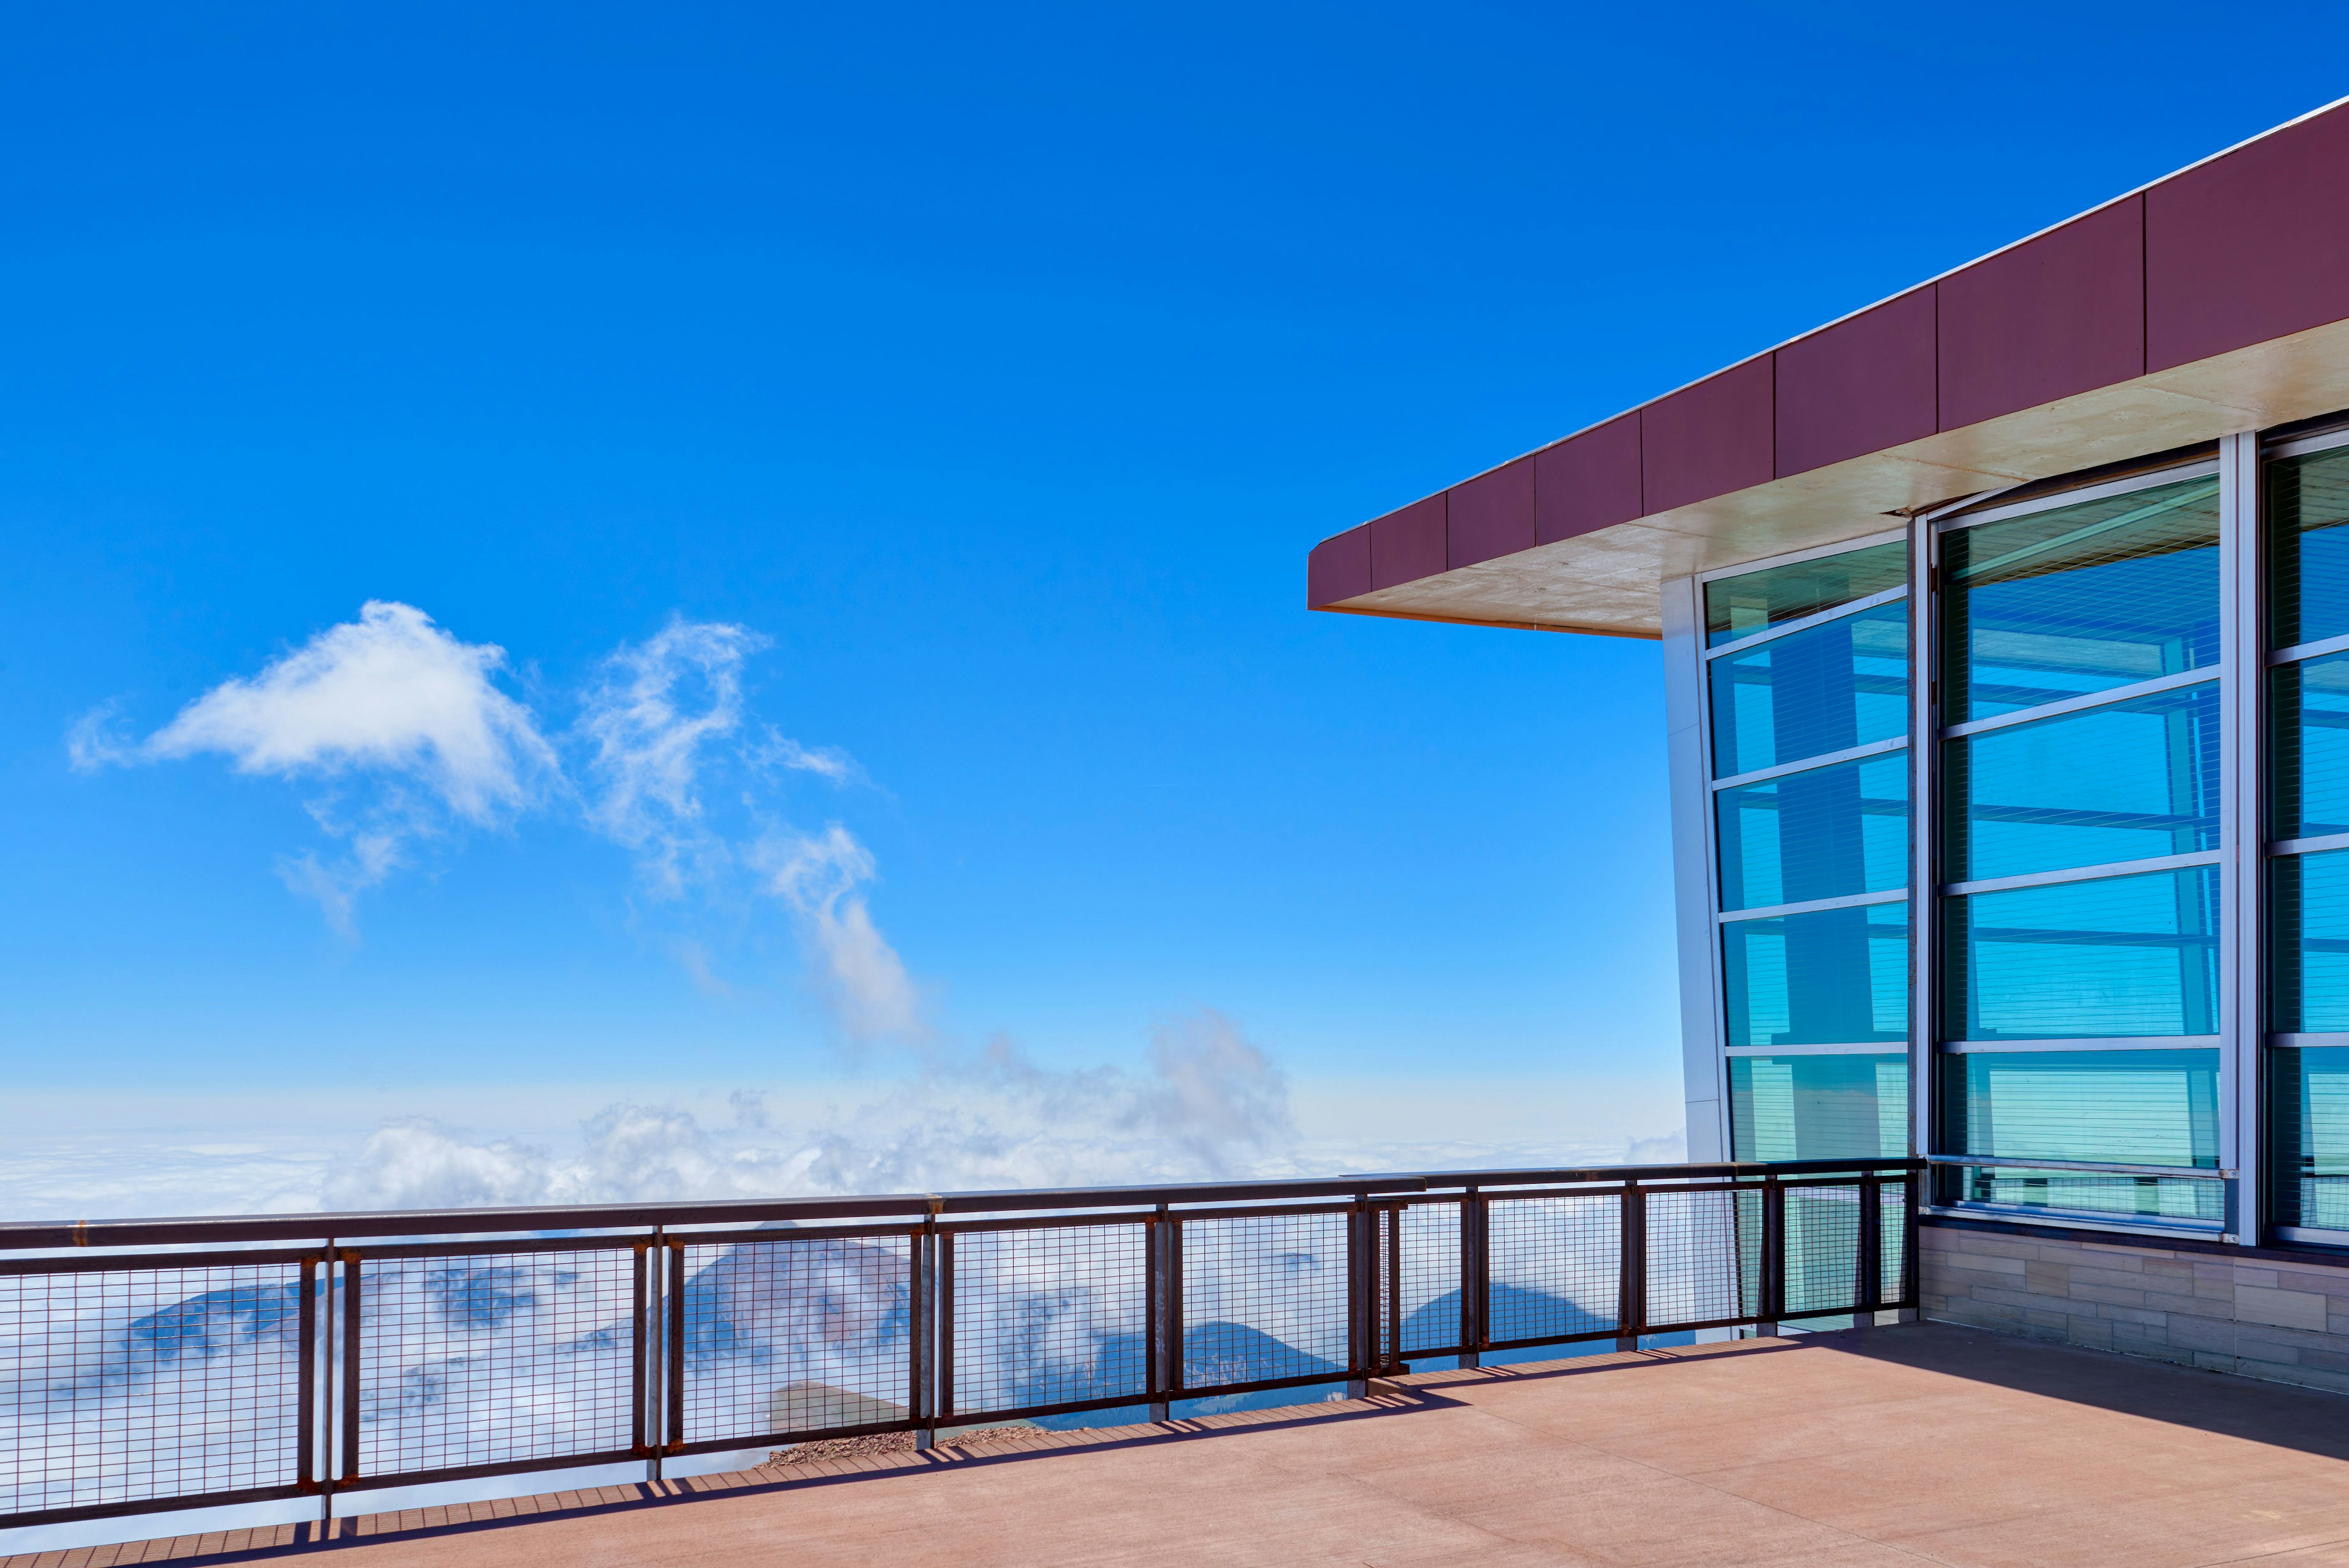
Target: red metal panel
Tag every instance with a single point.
(1339, 568)
(1408, 545)
(2060, 315)
(1588, 483)
(1710, 439)
(1857, 387)
(1491, 515)
(2252, 247)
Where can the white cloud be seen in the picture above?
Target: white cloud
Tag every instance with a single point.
(822, 879)
(391, 699)
(655, 710)
(389, 692)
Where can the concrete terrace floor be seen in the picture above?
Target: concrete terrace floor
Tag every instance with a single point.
(1900, 1445)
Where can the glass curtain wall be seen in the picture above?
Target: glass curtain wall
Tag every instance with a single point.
(2307, 520)
(1807, 687)
(2079, 926)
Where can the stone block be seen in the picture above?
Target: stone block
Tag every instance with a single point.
(2093, 1333)
(2111, 1312)
(2117, 1279)
(2285, 1309)
(2047, 1278)
(2259, 1278)
(2091, 1293)
(2206, 1334)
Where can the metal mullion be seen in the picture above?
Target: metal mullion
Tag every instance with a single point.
(2087, 700)
(2320, 845)
(2150, 865)
(2243, 794)
(2300, 652)
(2200, 468)
(1811, 906)
(1796, 558)
(1924, 820)
(1860, 753)
(1804, 623)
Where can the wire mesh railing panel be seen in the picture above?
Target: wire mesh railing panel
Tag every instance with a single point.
(1704, 1255)
(127, 1387)
(1055, 1315)
(469, 1360)
(1427, 1238)
(1892, 1227)
(1823, 1262)
(786, 1337)
(1554, 1266)
(1264, 1297)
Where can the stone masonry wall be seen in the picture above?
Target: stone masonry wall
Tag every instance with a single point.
(2262, 1317)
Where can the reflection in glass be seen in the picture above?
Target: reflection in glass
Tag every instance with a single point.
(2308, 712)
(2132, 781)
(2308, 1136)
(2112, 957)
(2308, 547)
(1825, 689)
(2121, 1107)
(1740, 607)
(2307, 943)
(1825, 834)
(1818, 1108)
(2081, 598)
(1831, 977)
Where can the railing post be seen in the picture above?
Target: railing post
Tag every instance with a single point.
(352, 1289)
(1362, 1266)
(1911, 1263)
(1472, 1277)
(922, 1334)
(1632, 1267)
(1868, 1291)
(943, 1380)
(1773, 1257)
(1157, 1334)
(673, 1344)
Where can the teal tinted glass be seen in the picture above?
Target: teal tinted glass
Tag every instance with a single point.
(2307, 943)
(1825, 834)
(2308, 547)
(1818, 1108)
(1832, 977)
(2110, 956)
(1824, 689)
(2132, 781)
(2123, 1108)
(2308, 1136)
(2081, 598)
(2308, 717)
(1740, 607)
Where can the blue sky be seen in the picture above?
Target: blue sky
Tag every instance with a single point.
(983, 374)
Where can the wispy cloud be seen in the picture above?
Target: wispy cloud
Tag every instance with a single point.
(656, 709)
(822, 879)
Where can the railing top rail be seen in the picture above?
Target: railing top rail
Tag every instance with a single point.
(58, 1235)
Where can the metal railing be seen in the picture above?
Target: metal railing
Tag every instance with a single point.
(166, 1365)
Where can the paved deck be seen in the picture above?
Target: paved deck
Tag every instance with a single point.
(1904, 1445)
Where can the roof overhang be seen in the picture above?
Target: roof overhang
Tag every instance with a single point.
(2152, 319)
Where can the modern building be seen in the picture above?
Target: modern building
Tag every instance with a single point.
(2006, 625)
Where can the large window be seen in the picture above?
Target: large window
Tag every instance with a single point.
(2308, 824)
(2080, 917)
(1808, 689)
